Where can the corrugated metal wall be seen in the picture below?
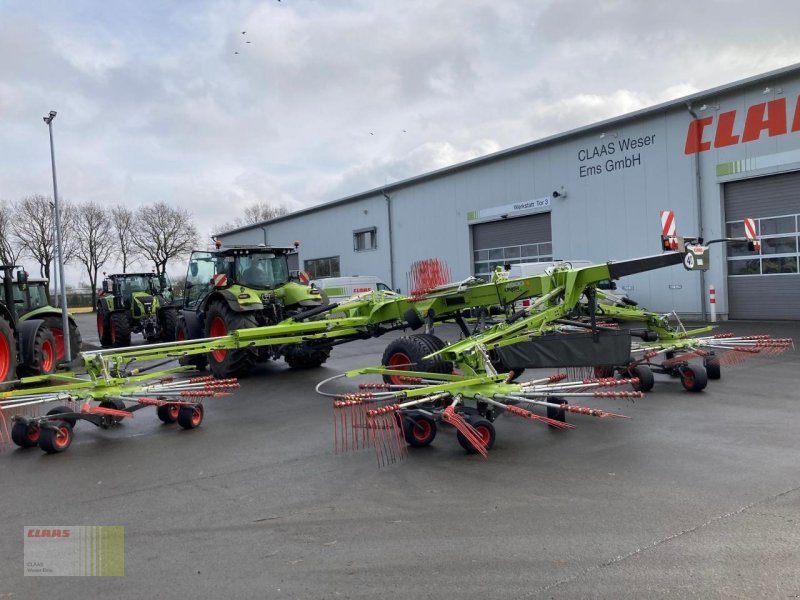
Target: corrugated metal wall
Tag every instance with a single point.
(512, 232)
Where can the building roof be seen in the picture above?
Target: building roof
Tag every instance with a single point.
(685, 101)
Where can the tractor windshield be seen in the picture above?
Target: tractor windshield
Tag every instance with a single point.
(135, 283)
(29, 296)
(262, 270)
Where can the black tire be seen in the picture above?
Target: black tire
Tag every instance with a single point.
(419, 430)
(120, 329)
(693, 378)
(198, 361)
(43, 359)
(168, 319)
(221, 320)
(412, 349)
(486, 431)
(645, 375)
(104, 327)
(25, 435)
(557, 414)
(713, 370)
(61, 410)
(56, 437)
(55, 325)
(304, 358)
(190, 417)
(8, 351)
(116, 405)
(168, 413)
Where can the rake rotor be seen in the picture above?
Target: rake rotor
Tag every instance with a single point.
(388, 421)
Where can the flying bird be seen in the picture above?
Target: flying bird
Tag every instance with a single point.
(244, 32)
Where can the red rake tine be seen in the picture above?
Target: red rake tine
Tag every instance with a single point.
(468, 431)
(526, 414)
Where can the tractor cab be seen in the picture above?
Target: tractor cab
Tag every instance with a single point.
(256, 270)
(29, 295)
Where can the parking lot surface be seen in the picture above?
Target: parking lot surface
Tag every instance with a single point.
(697, 495)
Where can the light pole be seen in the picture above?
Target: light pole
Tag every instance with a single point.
(64, 318)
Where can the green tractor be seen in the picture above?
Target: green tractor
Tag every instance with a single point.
(136, 303)
(31, 331)
(242, 287)
(30, 302)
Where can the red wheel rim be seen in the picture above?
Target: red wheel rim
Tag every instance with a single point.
(33, 434)
(100, 325)
(113, 333)
(58, 338)
(197, 416)
(5, 357)
(174, 409)
(398, 362)
(421, 430)
(485, 434)
(47, 356)
(62, 437)
(688, 378)
(218, 329)
(180, 335)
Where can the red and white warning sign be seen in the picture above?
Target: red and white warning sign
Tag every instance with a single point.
(220, 280)
(750, 228)
(668, 223)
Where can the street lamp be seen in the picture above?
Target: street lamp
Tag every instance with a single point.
(64, 318)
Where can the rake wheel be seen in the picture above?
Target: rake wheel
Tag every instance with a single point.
(419, 430)
(485, 429)
(693, 378)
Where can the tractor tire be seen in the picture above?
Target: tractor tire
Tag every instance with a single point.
(56, 437)
(693, 378)
(168, 319)
(406, 354)
(120, 330)
(645, 375)
(25, 435)
(198, 361)
(61, 410)
(221, 320)
(485, 429)
(55, 325)
(104, 328)
(168, 413)
(302, 358)
(190, 417)
(419, 430)
(8, 352)
(43, 360)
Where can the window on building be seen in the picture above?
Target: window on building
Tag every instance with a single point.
(486, 260)
(780, 247)
(322, 267)
(365, 239)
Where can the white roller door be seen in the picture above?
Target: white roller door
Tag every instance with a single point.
(511, 241)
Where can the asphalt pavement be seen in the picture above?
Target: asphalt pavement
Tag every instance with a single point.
(695, 496)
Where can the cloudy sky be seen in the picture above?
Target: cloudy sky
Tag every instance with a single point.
(320, 99)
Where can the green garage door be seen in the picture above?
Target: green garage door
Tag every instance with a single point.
(766, 285)
(511, 241)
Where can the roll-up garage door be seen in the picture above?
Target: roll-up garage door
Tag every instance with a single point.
(511, 241)
(764, 285)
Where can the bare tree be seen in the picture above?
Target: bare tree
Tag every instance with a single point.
(256, 213)
(163, 233)
(9, 251)
(94, 246)
(123, 219)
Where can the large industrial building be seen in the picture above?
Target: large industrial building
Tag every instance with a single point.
(595, 193)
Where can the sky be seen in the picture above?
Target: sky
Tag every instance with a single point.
(212, 105)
